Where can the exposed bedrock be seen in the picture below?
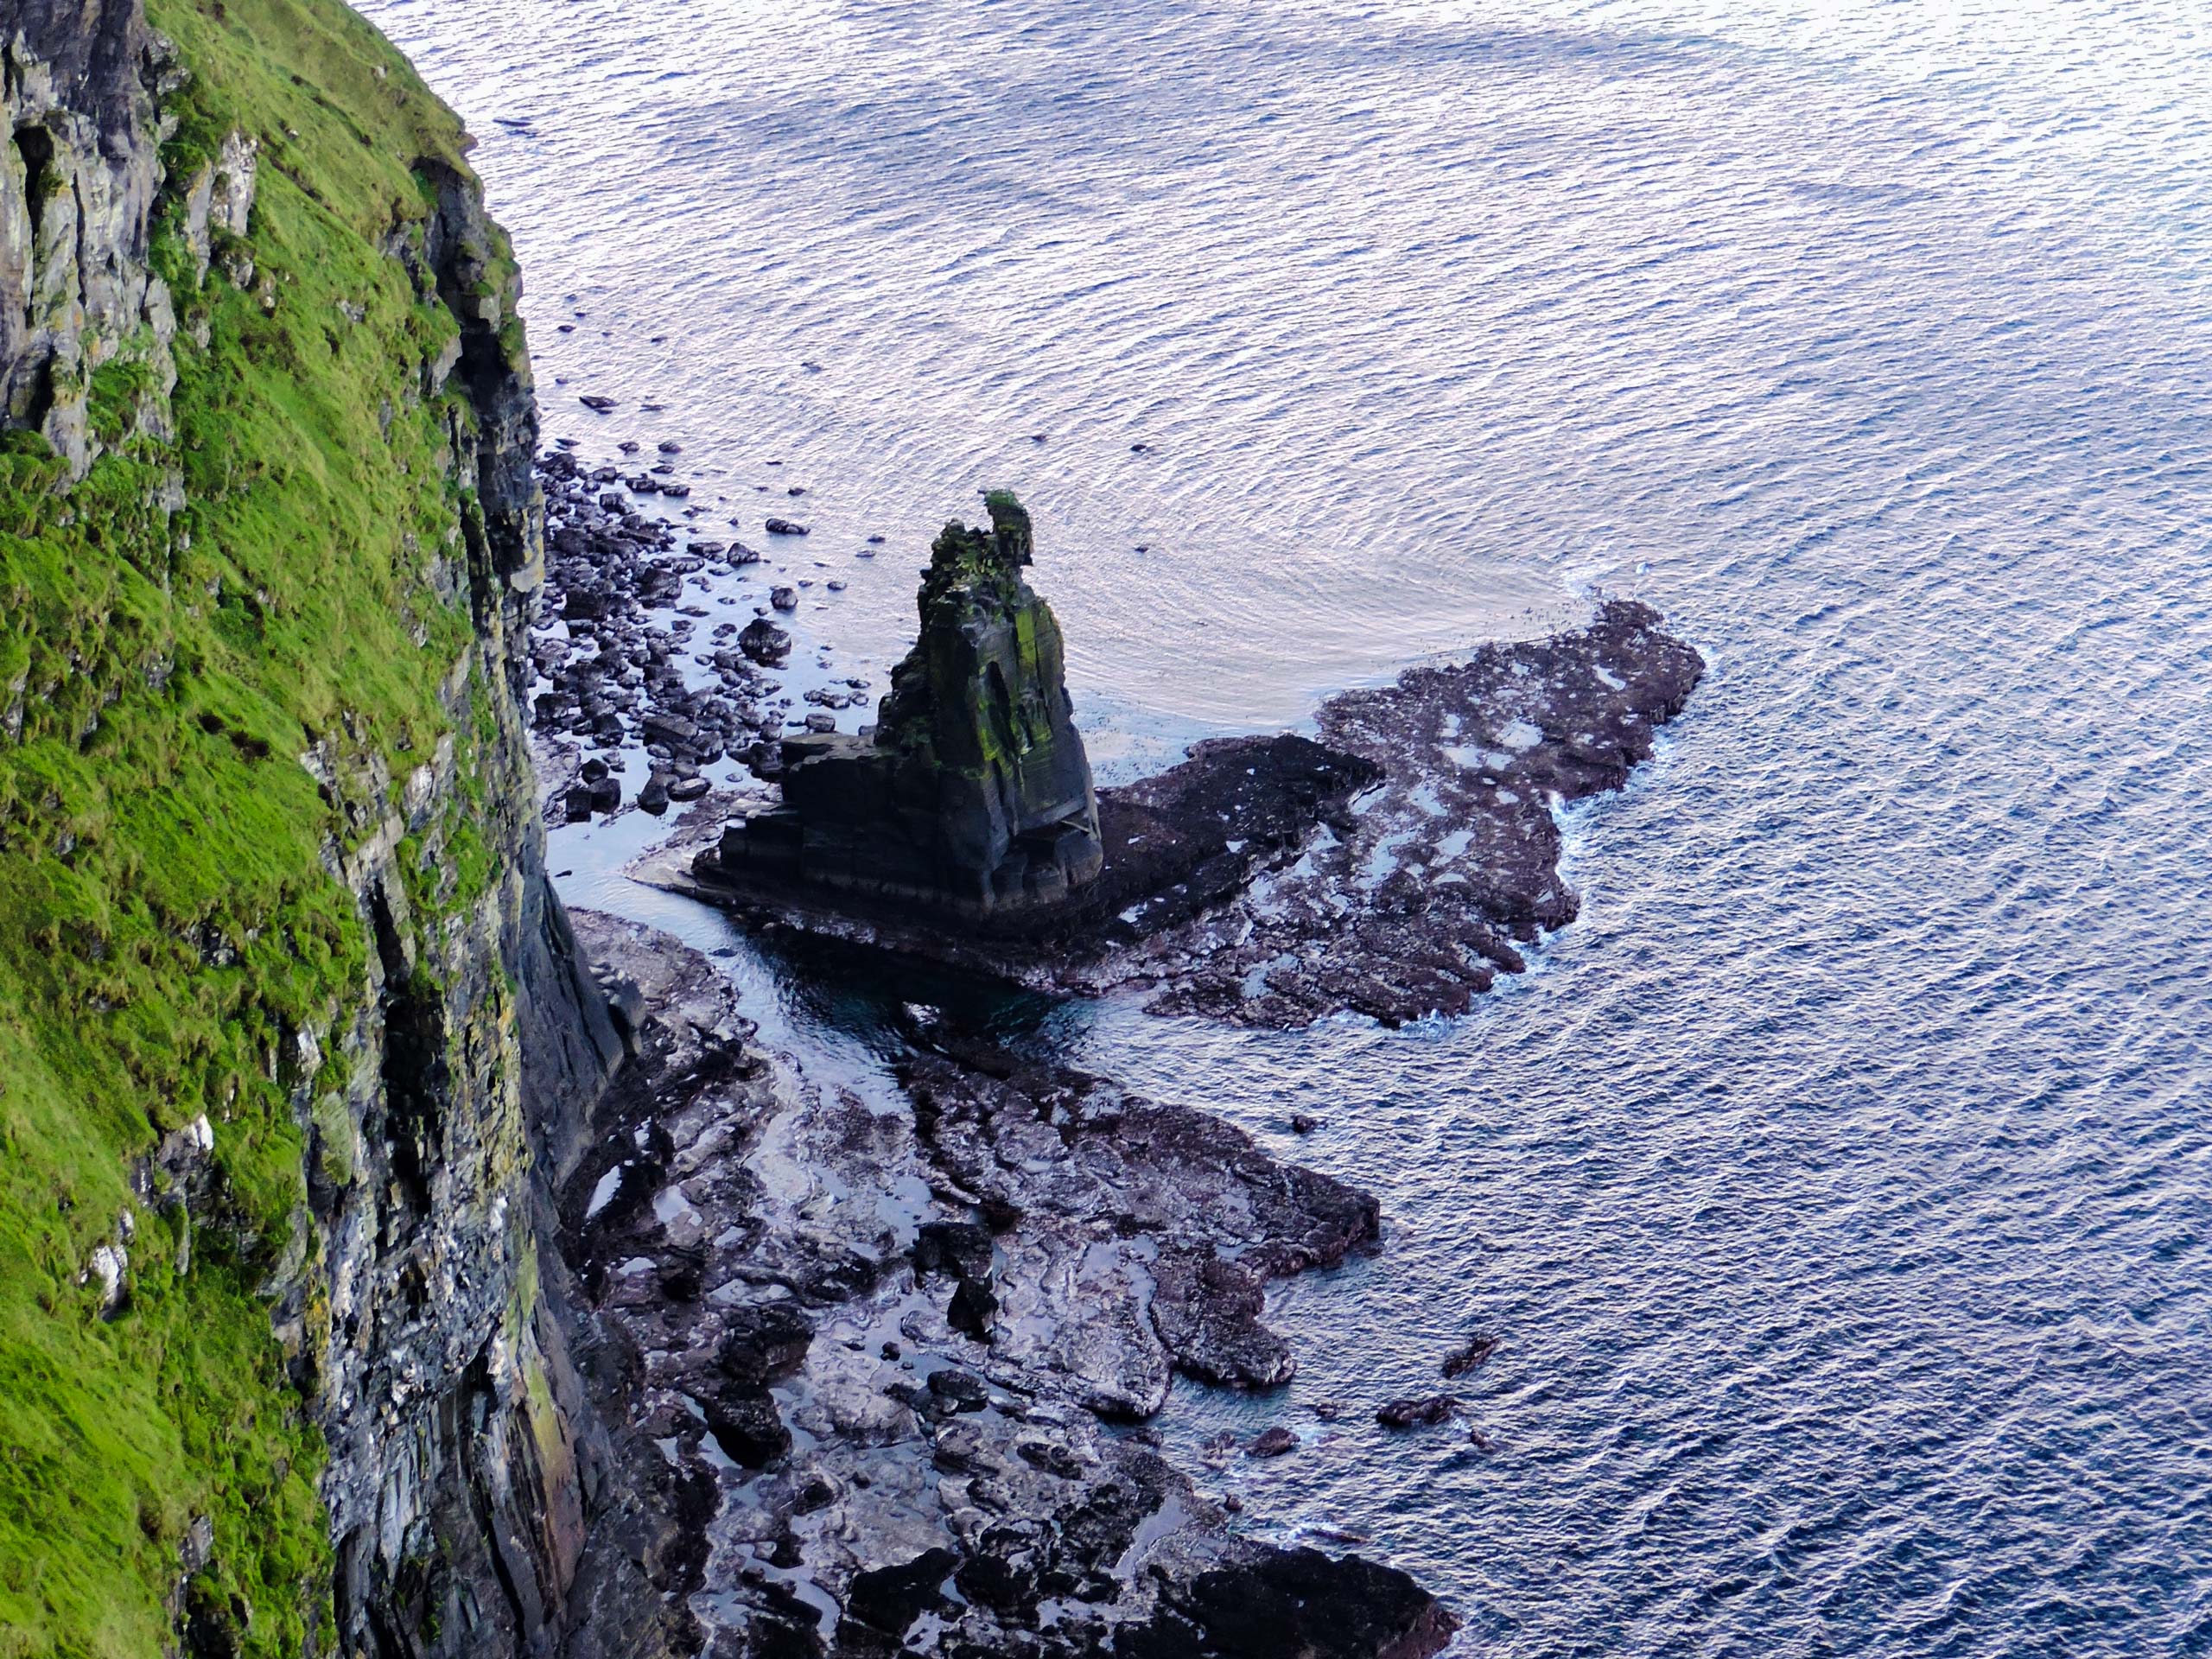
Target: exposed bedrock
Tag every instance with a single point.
(974, 794)
(79, 174)
(1392, 866)
(882, 1340)
(1414, 899)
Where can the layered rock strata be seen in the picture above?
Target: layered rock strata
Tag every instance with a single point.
(974, 794)
(78, 177)
(882, 1335)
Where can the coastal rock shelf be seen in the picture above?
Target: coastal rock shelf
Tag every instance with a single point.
(879, 1344)
(1391, 868)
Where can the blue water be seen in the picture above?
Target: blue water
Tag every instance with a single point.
(1839, 1186)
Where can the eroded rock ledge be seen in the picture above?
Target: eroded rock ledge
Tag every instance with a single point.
(882, 1343)
(1392, 868)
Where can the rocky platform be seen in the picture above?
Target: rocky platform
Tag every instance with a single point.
(884, 1346)
(1391, 866)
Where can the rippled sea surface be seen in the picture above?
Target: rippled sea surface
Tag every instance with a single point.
(1839, 1187)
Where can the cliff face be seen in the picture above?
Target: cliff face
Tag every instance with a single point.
(76, 185)
(285, 1001)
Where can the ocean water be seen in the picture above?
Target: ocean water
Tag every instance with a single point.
(1839, 1187)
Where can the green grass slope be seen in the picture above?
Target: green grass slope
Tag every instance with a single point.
(165, 916)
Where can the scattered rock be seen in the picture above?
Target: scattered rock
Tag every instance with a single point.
(1271, 1442)
(1471, 1356)
(1417, 1413)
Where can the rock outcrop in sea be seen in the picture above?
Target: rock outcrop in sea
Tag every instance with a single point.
(1392, 868)
(973, 795)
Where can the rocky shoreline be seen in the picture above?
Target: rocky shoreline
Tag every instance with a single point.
(897, 1354)
(1391, 868)
(884, 1352)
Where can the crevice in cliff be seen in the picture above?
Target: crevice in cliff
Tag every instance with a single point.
(415, 1075)
(483, 1403)
(36, 145)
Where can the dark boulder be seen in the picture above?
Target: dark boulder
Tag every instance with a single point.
(1417, 1413)
(1470, 1357)
(960, 1247)
(745, 1423)
(1294, 1602)
(889, 1598)
(764, 643)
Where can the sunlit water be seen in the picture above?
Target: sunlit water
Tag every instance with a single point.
(1838, 1187)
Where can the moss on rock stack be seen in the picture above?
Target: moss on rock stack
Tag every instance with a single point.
(975, 794)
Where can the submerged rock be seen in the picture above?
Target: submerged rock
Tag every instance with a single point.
(974, 794)
(1471, 1356)
(1417, 1413)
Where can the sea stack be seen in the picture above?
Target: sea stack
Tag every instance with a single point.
(974, 795)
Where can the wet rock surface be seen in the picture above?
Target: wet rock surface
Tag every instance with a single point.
(883, 1343)
(1417, 1412)
(1392, 866)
